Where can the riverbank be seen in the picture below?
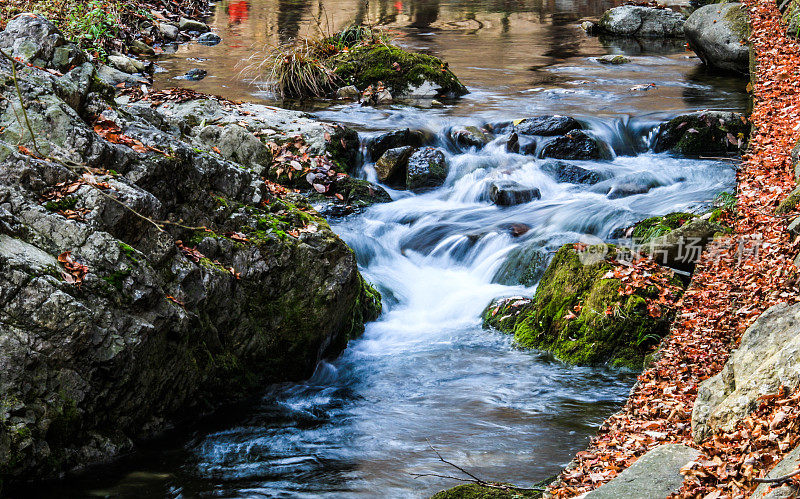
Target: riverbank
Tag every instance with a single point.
(736, 280)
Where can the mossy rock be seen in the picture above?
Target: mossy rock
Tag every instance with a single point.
(399, 70)
(573, 284)
(475, 491)
(789, 203)
(708, 133)
(653, 227)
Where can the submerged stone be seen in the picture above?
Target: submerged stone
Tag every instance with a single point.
(567, 172)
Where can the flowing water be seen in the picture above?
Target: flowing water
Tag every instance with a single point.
(426, 374)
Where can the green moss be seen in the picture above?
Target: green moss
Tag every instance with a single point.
(700, 134)
(117, 278)
(128, 251)
(736, 17)
(396, 68)
(62, 204)
(569, 317)
(653, 227)
(65, 425)
(475, 491)
(789, 203)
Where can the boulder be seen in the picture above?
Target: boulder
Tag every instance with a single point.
(168, 31)
(681, 248)
(134, 329)
(379, 144)
(125, 64)
(469, 136)
(644, 22)
(703, 133)
(768, 358)
(114, 77)
(789, 203)
(718, 34)
(625, 189)
(613, 59)
(510, 193)
(569, 173)
(655, 474)
(567, 315)
(138, 47)
(33, 39)
(209, 39)
(403, 73)
(575, 145)
(350, 92)
(192, 25)
(546, 126)
(427, 167)
(392, 166)
(357, 194)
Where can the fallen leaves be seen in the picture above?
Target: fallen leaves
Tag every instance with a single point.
(736, 279)
(113, 133)
(73, 272)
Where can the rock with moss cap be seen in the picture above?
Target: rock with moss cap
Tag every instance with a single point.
(643, 22)
(703, 133)
(568, 314)
(404, 73)
(718, 34)
(477, 491)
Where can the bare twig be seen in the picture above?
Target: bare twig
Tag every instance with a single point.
(472, 478)
(779, 480)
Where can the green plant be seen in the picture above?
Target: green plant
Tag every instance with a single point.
(296, 71)
(725, 201)
(792, 18)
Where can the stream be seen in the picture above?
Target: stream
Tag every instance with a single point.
(426, 374)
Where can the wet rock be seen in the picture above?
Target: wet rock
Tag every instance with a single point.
(427, 167)
(357, 194)
(613, 59)
(383, 97)
(573, 284)
(789, 203)
(704, 133)
(645, 22)
(681, 248)
(276, 291)
(718, 34)
(33, 39)
(512, 144)
(469, 136)
(392, 166)
(349, 92)
(115, 77)
(191, 25)
(378, 145)
(209, 39)
(524, 265)
(518, 229)
(168, 31)
(547, 126)
(765, 361)
(510, 193)
(475, 491)
(795, 155)
(138, 47)
(125, 64)
(655, 474)
(195, 74)
(590, 27)
(626, 189)
(569, 173)
(575, 145)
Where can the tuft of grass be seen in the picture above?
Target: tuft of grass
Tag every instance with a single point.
(297, 71)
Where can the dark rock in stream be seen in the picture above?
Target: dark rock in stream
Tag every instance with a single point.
(113, 330)
(469, 136)
(391, 167)
(575, 145)
(195, 74)
(705, 133)
(209, 39)
(427, 167)
(569, 173)
(545, 126)
(378, 145)
(510, 193)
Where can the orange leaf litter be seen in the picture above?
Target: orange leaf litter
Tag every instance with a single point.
(736, 280)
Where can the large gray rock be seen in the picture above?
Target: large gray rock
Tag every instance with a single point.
(156, 333)
(768, 357)
(379, 144)
(391, 166)
(469, 136)
(236, 144)
(656, 474)
(546, 126)
(718, 34)
(787, 465)
(427, 167)
(192, 25)
(33, 39)
(644, 22)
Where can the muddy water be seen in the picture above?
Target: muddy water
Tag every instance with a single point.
(426, 373)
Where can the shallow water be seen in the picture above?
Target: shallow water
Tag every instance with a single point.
(426, 374)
